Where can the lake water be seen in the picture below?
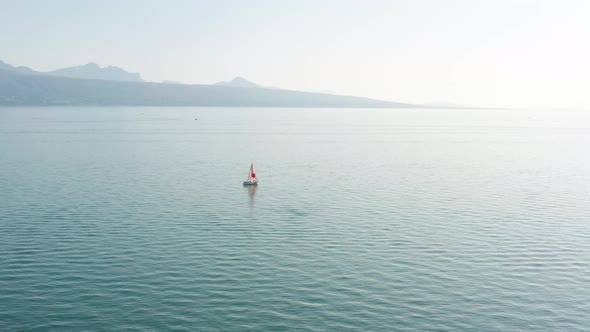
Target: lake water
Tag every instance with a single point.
(369, 220)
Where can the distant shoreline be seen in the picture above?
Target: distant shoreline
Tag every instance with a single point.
(22, 86)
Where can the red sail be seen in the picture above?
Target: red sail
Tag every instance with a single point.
(252, 172)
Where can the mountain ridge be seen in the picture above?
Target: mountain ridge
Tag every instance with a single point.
(92, 70)
(239, 82)
(91, 84)
(17, 88)
(19, 69)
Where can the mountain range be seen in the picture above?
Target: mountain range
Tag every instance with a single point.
(21, 69)
(88, 71)
(92, 85)
(93, 71)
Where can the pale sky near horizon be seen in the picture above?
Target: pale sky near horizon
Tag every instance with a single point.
(489, 53)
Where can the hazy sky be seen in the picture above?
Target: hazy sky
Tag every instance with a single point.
(518, 53)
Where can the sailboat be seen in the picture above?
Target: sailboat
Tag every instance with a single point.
(252, 180)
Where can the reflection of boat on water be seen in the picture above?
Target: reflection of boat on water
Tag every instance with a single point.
(251, 192)
(252, 179)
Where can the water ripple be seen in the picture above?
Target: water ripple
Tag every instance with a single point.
(372, 220)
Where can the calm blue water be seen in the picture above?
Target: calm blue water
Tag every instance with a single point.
(369, 220)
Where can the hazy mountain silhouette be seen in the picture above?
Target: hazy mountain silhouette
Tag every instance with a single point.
(239, 82)
(20, 69)
(23, 89)
(92, 85)
(94, 71)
